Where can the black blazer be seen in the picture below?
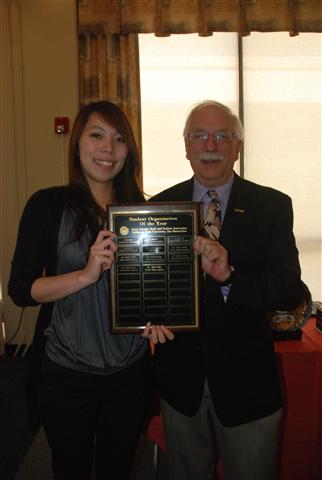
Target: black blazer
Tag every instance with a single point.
(234, 347)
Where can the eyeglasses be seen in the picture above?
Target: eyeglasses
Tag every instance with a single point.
(220, 136)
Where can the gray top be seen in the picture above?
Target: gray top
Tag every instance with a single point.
(79, 333)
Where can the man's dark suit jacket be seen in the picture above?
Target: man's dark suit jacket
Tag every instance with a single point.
(234, 348)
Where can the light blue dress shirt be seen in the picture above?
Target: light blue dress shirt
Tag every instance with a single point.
(223, 193)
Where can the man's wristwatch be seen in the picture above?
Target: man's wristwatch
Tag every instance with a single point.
(228, 280)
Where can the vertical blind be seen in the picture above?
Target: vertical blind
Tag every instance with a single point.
(282, 80)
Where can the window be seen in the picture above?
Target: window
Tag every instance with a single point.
(176, 72)
(282, 95)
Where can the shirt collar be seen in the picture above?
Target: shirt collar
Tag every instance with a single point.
(223, 191)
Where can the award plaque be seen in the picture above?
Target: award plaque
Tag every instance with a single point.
(155, 277)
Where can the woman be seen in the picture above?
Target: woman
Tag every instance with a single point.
(90, 385)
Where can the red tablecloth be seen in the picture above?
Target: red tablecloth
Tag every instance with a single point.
(301, 371)
(301, 368)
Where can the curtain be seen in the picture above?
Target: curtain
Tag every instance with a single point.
(164, 17)
(109, 70)
(108, 41)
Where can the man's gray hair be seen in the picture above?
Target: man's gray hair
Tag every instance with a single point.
(238, 127)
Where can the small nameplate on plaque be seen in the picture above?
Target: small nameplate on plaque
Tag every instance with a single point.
(155, 277)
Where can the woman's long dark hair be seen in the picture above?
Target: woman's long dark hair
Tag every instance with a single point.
(125, 184)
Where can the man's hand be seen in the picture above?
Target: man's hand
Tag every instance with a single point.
(214, 258)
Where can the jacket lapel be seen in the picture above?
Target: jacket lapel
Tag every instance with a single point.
(185, 190)
(236, 212)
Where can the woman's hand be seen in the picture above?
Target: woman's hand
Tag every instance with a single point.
(157, 333)
(101, 256)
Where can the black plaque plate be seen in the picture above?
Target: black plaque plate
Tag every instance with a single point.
(156, 273)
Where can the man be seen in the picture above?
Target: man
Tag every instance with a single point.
(224, 379)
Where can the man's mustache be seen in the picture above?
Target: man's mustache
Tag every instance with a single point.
(210, 156)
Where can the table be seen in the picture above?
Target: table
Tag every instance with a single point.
(301, 369)
(300, 363)
(316, 337)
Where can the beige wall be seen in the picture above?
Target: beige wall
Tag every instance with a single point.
(39, 82)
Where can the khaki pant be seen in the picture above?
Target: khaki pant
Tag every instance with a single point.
(248, 452)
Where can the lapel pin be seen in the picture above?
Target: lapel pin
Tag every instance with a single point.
(239, 210)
